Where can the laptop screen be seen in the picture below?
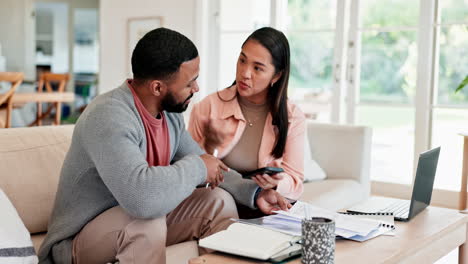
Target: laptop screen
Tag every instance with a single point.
(424, 181)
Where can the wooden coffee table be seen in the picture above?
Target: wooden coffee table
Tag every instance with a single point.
(429, 236)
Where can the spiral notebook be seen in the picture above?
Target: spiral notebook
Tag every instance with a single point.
(386, 224)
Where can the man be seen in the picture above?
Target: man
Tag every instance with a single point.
(128, 184)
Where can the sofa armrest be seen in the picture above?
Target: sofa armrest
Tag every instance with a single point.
(343, 151)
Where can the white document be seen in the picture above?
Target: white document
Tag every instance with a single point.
(276, 223)
(387, 222)
(349, 226)
(358, 226)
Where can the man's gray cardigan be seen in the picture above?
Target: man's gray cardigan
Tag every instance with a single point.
(106, 166)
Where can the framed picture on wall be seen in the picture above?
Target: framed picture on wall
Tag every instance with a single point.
(137, 27)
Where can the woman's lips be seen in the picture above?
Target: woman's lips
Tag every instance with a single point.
(243, 85)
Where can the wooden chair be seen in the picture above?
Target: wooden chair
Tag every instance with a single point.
(47, 79)
(15, 78)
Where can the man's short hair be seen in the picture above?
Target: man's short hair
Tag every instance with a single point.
(159, 54)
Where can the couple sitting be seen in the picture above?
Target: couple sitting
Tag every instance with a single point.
(128, 186)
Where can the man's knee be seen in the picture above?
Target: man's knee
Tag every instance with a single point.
(219, 194)
(143, 241)
(154, 230)
(222, 202)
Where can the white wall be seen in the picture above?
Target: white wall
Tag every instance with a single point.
(60, 61)
(17, 36)
(17, 32)
(179, 15)
(72, 5)
(86, 55)
(57, 33)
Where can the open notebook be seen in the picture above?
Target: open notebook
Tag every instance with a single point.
(249, 241)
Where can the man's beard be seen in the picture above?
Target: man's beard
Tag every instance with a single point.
(170, 104)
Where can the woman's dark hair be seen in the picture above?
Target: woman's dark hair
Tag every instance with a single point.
(159, 54)
(278, 46)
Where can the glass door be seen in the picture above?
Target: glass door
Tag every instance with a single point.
(237, 20)
(383, 69)
(311, 31)
(450, 109)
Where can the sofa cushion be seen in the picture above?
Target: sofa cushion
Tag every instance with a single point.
(30, 163)
(312, 171)
(15, 241)
(343, 151)
(333, 194)
(178, 253)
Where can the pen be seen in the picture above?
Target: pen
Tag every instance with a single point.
(215, 154)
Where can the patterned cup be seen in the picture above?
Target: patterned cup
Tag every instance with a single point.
(319, 241)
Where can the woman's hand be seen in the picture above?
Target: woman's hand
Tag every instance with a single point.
(266, 181)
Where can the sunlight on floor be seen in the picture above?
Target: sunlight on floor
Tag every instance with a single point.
(450, 258)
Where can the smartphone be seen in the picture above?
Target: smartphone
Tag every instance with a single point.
(264, 170)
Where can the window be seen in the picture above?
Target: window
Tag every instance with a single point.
(238, 19)
(383, 49)
(388, 62)
(450, 112)
(388, 97)
(310, 30)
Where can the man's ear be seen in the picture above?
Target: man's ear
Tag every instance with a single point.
(157, 87)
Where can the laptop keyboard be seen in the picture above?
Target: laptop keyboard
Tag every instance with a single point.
(399, 208)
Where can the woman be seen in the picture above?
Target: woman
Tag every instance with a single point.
(251, 124)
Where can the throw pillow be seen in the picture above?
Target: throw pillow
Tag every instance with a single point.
(312, 171)
(15, 241)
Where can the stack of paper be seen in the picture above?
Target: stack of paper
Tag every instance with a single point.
(346, 226)
(386, 220)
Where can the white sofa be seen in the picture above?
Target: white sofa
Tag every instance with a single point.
(343, 152)
(31, 158)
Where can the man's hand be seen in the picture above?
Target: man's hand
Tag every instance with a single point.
(266, 181)
(214, 136)
(213, 166)
(270, 200)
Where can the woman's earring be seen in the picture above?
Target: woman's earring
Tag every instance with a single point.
(272, 84)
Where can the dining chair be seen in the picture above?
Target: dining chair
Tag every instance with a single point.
(47, 80)
(6, 103)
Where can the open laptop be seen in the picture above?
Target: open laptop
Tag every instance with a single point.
(404, 210)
